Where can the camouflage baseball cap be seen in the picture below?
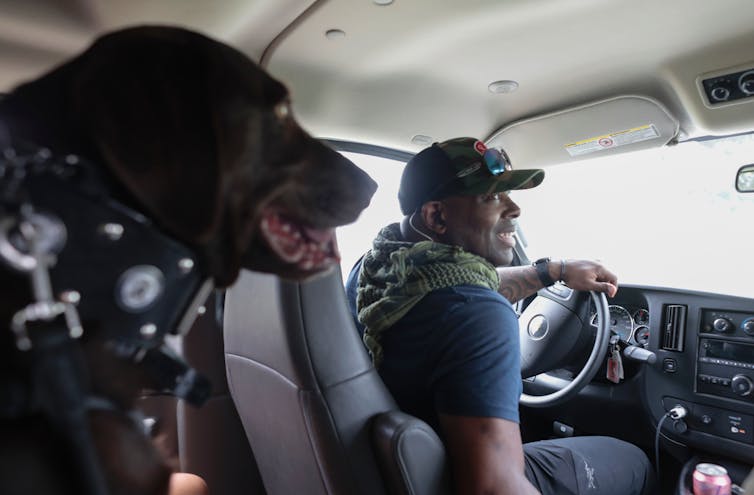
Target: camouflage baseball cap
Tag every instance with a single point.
(460, 166)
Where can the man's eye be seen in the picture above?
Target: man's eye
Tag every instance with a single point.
(494, 197)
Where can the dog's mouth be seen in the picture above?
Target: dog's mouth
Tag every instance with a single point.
(309, 249)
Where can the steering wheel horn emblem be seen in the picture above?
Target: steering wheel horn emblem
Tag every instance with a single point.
(538, 327)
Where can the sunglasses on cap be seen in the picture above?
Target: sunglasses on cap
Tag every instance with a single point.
(496, 161)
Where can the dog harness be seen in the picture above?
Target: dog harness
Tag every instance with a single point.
(94, 267)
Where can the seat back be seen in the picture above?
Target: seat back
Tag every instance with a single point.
(307, 395)
(211, 439)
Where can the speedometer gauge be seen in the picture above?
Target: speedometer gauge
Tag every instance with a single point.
(621, 322)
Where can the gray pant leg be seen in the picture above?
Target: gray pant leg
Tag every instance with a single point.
(588, 465)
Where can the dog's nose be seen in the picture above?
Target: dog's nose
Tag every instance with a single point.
(361, 188)
(368, 185)
(346, 179)
(339, 189)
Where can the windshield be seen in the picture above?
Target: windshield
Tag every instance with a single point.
(668, 217)
(665, 217)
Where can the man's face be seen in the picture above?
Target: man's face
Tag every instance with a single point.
(483, 225)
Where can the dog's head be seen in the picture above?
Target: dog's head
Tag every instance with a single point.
(204, 142)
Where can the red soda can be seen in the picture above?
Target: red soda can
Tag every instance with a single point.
(711, 479)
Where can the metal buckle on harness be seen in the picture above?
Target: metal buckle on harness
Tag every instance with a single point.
(44, 235)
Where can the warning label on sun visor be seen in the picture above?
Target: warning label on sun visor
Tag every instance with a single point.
(606, 141)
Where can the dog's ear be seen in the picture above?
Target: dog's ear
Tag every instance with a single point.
(168, 111)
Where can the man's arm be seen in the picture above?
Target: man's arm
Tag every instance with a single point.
(486, 455)
(518, 282)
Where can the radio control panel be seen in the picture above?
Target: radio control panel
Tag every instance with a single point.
(725, 359)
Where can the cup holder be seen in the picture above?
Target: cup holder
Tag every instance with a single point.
(737, 472)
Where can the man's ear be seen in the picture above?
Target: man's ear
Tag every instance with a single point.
(433, 216)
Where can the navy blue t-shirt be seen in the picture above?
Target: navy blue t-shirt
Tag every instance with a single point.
(456, 352)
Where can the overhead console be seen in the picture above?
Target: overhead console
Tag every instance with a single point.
(729, 86)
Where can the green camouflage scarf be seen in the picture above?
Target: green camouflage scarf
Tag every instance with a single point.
(395, 275)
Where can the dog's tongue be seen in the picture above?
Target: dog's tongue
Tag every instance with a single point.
(308, 248)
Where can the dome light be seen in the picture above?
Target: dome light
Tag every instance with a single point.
(335, 34)
(502, 87)
(421, 140)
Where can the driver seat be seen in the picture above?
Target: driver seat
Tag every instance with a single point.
(316, 414)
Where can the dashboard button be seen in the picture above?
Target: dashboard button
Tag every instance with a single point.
(669, 365)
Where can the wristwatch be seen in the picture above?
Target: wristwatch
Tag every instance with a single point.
(543, 273)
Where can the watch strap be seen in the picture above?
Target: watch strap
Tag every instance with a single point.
(543, 273)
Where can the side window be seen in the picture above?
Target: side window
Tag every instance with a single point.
(355, 239)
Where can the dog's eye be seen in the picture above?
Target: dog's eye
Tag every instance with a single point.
(283, 110)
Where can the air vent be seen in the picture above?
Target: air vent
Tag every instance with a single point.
(674, 327)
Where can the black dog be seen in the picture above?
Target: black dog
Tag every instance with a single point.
(188, 132)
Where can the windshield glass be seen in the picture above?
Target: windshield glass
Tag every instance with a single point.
(665, 217)
(668, 217)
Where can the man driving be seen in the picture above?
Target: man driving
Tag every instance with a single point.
(433, 299)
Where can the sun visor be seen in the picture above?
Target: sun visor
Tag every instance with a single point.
(607, 127)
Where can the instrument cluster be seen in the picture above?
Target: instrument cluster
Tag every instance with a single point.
(630, 324)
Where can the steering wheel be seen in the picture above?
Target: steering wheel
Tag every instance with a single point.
(554, 328)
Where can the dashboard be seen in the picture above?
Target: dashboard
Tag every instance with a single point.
(703, 359)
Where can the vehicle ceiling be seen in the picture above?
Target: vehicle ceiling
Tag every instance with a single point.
(422, 67)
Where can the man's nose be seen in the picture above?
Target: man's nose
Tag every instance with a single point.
(511, 209)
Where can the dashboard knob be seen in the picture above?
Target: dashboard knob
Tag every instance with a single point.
(720, 93)
(741, 385)
(746, 82)
(722, 325)
(748, 326)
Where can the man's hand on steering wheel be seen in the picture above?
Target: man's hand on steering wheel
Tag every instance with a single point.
(585, 275)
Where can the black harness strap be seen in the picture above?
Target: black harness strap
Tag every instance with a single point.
(58, 381)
